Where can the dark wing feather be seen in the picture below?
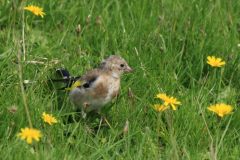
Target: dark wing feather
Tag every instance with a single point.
(63, 72)
(90, 82)
(66, 78)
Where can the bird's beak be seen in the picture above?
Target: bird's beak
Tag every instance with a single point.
(128, 69)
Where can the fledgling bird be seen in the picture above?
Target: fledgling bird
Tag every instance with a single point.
(98, 87)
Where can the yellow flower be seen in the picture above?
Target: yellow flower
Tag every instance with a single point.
(215, 62)
(35, 10)
(168, 100)
(29, 134)
(49, 119)
(221, 109)
(160, 108)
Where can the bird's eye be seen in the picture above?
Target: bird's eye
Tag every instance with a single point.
(122, 65)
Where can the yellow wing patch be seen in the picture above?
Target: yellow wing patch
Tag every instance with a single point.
(76, 84)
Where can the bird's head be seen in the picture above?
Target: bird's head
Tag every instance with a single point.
(116, 64)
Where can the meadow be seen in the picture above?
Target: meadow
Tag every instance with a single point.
(165, 42)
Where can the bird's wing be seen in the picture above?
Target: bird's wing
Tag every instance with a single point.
(85, 81)
(66, 78)
(90, 78)
(63, 73)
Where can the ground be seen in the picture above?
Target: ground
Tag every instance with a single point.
(165, 42)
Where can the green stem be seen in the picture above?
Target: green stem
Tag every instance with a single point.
(220, 143)
(219, 122)
(158, 129)
(214, 77)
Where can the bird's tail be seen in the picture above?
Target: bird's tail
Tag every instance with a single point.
(66, 78)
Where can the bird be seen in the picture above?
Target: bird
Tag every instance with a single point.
(96, 88)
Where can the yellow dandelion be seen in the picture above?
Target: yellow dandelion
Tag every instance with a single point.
(160, 108)
(29, 134)
(49, 119)
(221, 109)
(168, 100)
(215, 62)
(35, 10)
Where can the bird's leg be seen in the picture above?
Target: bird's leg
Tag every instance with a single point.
(96, 111)
(81, 111)
(83, 114)
(85, 109)
(102, 118)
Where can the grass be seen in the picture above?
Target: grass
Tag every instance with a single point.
(166, 43)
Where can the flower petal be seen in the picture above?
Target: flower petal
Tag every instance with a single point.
(36, 138)
(29, 140)
(19, 134)
(173, 106)
(218, 60)
(220, 114)
(166, 107)
(23, 137)
(166, 103)
(210, 109)
(222, 63)
(213, 59)
(209, 58)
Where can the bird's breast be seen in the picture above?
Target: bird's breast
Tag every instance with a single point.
(113, 85)
(114, 88)
(101, 92)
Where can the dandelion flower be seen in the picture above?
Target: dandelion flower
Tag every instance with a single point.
(35, 10)
(168, 100)
(49, 119)
(215, 62)
(221, 109)
(160, 108)
(29, 134)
